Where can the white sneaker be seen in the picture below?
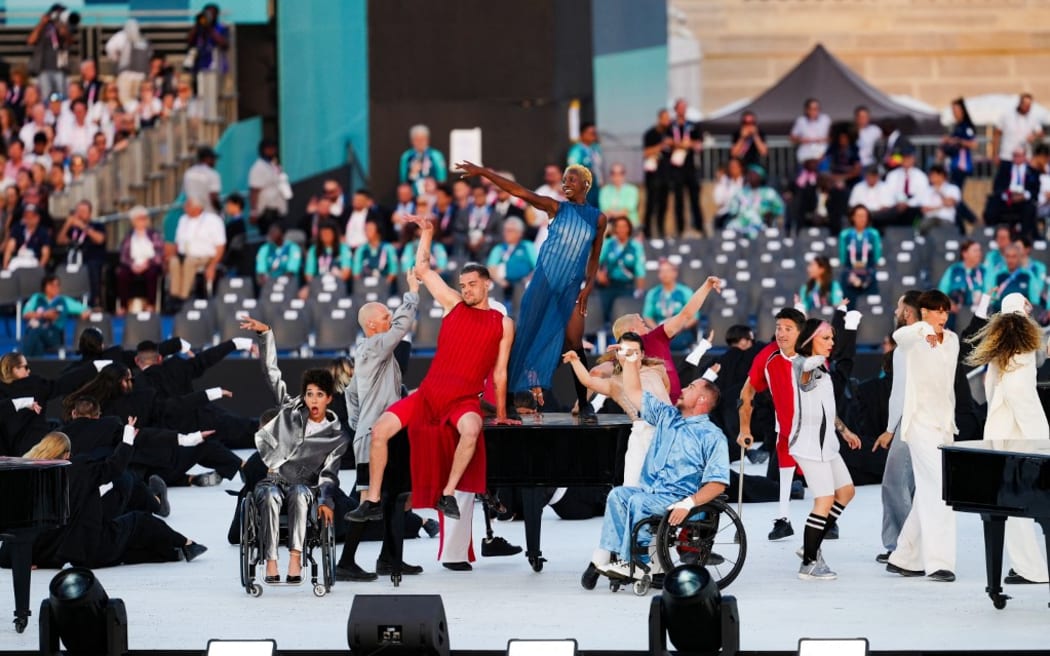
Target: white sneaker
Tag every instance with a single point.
(816, 571)
(620, 569)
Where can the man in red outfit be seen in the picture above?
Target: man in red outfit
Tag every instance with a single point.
(444, 415)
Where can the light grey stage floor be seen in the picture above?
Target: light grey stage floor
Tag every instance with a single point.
(180, 606)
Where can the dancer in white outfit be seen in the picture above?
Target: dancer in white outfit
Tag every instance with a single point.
(927, 540)
(654, 380)
(1008, 345)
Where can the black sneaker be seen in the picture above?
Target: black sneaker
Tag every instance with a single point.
(458, 567)
(757, 456)
(367, 511)
(893, 569)
(159, 489)
(192, 550)
(587, 415)
(497, 546)
(883, 558)
(354, 573)
(432, 527)
(781, 529)
(207, 479)
(385, 568)
(447, 506)
(833, 532)
(590, 577)
(1013, 578)
(943, 576)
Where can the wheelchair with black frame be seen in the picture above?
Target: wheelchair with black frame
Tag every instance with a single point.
(712, 535)
(319, 534)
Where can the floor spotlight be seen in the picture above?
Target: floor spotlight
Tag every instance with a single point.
(398, 625)
(694, 615)
(79, 612)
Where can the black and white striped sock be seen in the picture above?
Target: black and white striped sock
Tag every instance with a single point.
(812, 537)
(833, 516)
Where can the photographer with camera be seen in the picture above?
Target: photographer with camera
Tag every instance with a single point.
(51, 39)
(208, 40)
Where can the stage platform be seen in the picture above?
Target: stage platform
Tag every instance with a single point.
(179, 606)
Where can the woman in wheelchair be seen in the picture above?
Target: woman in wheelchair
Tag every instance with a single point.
(301, 447)
(815, 446)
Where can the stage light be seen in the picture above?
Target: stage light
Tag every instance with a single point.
(79, 612)
(242, 648)
(694, 615)
(399, 625)
(833, 647)
(565, 647)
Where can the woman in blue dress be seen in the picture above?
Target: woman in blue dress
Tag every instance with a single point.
(553, 308)
(957, 150)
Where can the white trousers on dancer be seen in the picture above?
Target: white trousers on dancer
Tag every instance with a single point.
(1022, 546)
(456, 534)
(637, 446)
(927, 539)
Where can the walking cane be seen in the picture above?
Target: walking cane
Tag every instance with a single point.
(740, 485)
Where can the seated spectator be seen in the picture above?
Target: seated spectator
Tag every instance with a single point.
(868, 136)
(45, 314)
(940, 201)
(513, 260)
(8, 122)
(994, 261)
(15, 161)
(141, 258)
(185, 101)
(443, 210)
(362, 211)
(841, 168)
(56, 180)
(1015, 192)
(200, 242)
(10, 211)
(730, 182)
(238, 230)
(897, 146)
(374, 260)
(76, 134)
(85, 242)
(820, 289)
(277, 257)
(860, 251)
(749, 141)
(619, 198)
(1013, 277)
(39, 151)
(160, 76)
(505, 206)
(104, 111)
(481, 230)
(621, 266)
(30, 242)
(269, 190)
(452, 229)
(77, 167)
(872, 193)
(810, 132)
(421, 161)
(965, 280)
(1037, 267)
(406, 206)
(907, 186)
(756, 205)
(667, 299)
(328, 256)
(438, 254)
(318, 211)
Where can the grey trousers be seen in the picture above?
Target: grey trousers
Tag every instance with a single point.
(269, 497)
(898, 488)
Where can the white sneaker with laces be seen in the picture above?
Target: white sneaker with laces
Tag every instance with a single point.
(816, 571)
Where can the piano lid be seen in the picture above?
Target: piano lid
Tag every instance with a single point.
(27, 463)
(1033, 448)
(562, 420)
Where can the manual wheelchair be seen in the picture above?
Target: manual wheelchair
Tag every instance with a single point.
(712, 535)
(318, 534)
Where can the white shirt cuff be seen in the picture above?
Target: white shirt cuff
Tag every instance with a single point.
(129, 435)
(710, 375)
(852, 320)
(214, 393)
(190, 439)
(702, 347)
(101, 364)
(23, 402)
(242, 343)
(185, 346)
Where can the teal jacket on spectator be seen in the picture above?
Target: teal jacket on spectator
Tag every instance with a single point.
(429, 164)
(66, 306)
(960, 283)
(330, 261)
(517, 261)
(438, 257)
(379, 260)
(284, 260)
(859, 251)
(813, 299)
(993, 261)
(623, 262)
(661, 304)
(1021, 280)
(620, 199)
(750, 209)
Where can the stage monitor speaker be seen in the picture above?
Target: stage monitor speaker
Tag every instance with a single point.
(399, 625)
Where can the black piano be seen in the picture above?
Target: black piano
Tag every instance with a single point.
(35, 496)
(554, 450)
(999, 479)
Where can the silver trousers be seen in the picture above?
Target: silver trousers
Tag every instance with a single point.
(898, 489)
(269, 497)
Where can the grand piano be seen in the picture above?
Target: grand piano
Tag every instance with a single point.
(554, 450)
(34, 495)
(999, 479)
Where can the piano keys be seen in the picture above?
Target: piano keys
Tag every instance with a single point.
(35, 496)
(999, 479)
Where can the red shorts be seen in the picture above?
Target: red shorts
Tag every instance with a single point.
(412, 409)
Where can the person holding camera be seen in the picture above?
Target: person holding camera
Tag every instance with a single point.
(208, 40)
(50, 40)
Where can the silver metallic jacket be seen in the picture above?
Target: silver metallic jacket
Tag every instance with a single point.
(282, 443)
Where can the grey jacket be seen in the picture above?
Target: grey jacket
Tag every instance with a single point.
(376, 384)
(282, 443)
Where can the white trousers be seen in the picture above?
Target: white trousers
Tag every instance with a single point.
(456, 534)
(927, 539)
(637, 446)
(1022, 547)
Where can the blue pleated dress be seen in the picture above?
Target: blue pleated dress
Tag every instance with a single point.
(550, 298)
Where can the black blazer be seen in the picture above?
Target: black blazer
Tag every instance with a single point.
(1003, 176)
(174, 376)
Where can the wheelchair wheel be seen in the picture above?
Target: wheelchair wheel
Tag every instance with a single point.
(642, 586)
(327, 538)
(715, 540)
(249, 540)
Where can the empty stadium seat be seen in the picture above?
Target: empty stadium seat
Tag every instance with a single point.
(291, 330)
(336, 330)
(101, 320)
(196, 324)
(141, 326)
(76, 281)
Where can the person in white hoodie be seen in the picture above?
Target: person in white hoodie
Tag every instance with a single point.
(131, 52)
(1009, 345)
(927, 540)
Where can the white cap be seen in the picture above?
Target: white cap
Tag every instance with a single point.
(1015, 303)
